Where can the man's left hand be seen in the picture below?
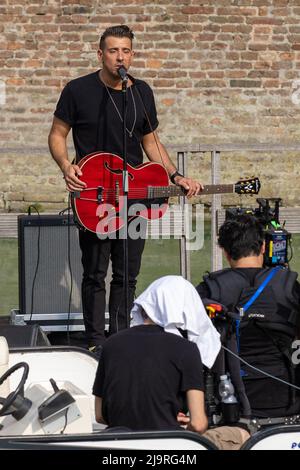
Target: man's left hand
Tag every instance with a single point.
(183, 419)
(192, 187)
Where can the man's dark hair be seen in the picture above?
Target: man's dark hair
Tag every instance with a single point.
(241, 236)
(120, 31)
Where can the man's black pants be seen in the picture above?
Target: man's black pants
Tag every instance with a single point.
(95, 259)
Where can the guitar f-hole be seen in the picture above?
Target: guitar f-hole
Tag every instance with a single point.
(117, 171)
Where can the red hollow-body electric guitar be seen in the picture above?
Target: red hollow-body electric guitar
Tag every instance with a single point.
(98, 207)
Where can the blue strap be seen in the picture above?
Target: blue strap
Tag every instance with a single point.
(261, 287)
(252, 299)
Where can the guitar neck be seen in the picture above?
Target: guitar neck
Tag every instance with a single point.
(169, 191)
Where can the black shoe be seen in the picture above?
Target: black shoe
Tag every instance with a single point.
(96, 350)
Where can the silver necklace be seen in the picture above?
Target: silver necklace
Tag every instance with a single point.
(130, 132)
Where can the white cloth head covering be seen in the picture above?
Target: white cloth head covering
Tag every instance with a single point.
(172, 302)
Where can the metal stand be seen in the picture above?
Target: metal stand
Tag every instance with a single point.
(125, 200)
(216, 252)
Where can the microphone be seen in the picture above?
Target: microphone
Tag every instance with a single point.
(123, 73)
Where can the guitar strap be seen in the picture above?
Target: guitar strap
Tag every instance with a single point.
(150, 125)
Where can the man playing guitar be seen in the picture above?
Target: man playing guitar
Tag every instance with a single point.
(92, 107)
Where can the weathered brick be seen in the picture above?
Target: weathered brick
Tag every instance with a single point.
(240, 28)
(249, 55)
(195, 75)
(164, 83)
(206, 37)
(265, 20)
(245, 83)
(240, 11)
(236, 74)
(219, 45)
(154, 64)
(215, 74)
(232, 55)
(227, 19)
(280, 47)
(238, 44)
(258, 47)
(223, 70)
(214, 28)
(191, 10)
(262, 74)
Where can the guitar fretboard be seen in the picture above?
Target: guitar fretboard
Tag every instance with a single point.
(169, 191)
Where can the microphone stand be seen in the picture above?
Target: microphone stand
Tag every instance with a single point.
(125, 199)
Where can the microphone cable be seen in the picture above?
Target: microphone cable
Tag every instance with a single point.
(260, 370)
(69, 263)
(37, 260)
(70, 268)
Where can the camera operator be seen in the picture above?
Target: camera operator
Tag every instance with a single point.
(266, 331)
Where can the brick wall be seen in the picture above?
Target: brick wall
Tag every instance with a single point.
(223, 71)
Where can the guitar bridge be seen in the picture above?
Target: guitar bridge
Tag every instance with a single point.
(117, 193)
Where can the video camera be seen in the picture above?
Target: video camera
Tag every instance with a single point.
(277, 238)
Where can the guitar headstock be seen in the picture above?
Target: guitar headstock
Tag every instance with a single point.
(250, 186)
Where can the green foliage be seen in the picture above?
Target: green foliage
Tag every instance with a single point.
(9, 297)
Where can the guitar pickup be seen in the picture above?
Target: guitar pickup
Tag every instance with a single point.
(100, 194)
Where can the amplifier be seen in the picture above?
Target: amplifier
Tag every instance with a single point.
(50, 271)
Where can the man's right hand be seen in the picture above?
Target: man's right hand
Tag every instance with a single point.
(70, 175)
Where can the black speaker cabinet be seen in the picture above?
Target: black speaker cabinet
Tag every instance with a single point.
(50, 270)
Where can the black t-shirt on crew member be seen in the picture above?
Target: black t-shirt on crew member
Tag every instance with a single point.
(86, 106)
(143, 375)
(268, 398)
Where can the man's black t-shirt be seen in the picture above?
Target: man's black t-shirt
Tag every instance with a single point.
(87, 107)
(143, 375)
